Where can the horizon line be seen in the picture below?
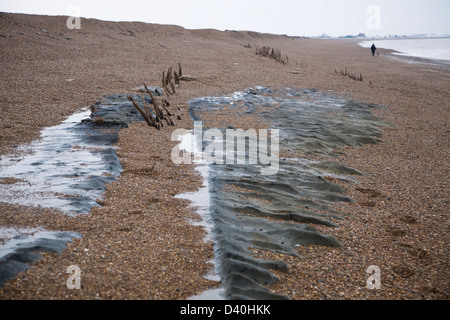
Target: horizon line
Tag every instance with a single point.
(321, 36)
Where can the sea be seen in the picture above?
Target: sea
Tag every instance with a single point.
(428, 48)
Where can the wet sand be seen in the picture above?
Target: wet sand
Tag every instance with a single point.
(141, 245)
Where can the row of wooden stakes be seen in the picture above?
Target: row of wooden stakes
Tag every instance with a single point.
(161, 111)
(272, 54)
(350, 75)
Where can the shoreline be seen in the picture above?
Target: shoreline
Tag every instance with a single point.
(424, 56)
(143, 228)
(422, 61)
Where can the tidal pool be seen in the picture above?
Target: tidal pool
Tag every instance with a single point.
(69, 167)
(68, 170)
(278, 212)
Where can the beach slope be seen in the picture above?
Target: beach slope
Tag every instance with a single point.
(141, 242)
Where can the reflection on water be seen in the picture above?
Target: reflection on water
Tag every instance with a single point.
(278, 212)
(67, 169)
(69, 166)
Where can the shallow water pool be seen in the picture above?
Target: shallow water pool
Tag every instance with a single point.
(278, 212)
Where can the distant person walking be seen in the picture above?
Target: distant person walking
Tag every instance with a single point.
(373, 48)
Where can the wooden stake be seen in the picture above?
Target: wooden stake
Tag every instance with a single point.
(150, 94)
(149, 119)
(172, 86)
(170, 73)
(145, 105)
(168, 76)
(155, 104)
(165, 108)
(167, 89)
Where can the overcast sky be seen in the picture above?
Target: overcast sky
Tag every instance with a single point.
(292, 17)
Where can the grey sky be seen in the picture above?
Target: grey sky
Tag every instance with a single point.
(292, 17)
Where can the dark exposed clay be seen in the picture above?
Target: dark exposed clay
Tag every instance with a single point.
(24, 248)
(67, 169)
(277, 212)
(117, 110)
